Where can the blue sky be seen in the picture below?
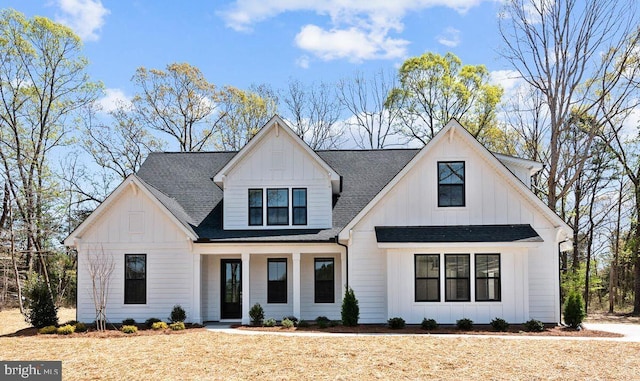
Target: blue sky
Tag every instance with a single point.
(246, 42)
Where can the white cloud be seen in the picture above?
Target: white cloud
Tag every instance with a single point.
(303, 61)
(449, 37)
(112, 99)
(364, 25)
(85, 17)
(510, 80)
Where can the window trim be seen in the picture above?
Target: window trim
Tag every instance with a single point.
(261, 207)
(499, 277)
(127, 280)
(315, 281)
(464, 183)
(447, 278)
(270, 282)
(293, 207)
(286, 223)
(415, 282)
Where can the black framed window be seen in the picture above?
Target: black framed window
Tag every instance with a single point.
(278, 206)
(135, 278)
(324, 280)
(255, 207)
(427, 272)
(487, 277)
(451, 183)
(457, 284)
(299, 203)
(276, 280)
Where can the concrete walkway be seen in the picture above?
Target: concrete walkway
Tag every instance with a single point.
(631, 333)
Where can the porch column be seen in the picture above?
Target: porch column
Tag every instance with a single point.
(296, 284)
(196, 316)
(245, 288)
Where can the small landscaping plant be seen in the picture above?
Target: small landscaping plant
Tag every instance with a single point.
(129, 321)
(287, 323)
(396, 323)
(533, 325)
(256, 313)
(41, 311)
(178, 314)
(499, 324)
(322, 321)
(177, 326)
(80, 327)
(293, 319)
(149, 322)
(129, 329)
(429, 324)
(574, 310)
(270, 322)
(48, 330)
(159, 325)
(464, 324)
(66, 329)
(350, 310)
(303, 324)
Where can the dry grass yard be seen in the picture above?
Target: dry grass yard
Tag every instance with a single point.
(201, 355)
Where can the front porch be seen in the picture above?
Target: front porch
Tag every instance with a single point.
(304, 281)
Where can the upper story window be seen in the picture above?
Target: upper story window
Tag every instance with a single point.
(451, 183)
(255, 207)
(278, 206)
(299, 201)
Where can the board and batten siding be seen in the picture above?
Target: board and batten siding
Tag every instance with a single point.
(490, 199)
(135, 225)
(277, 162)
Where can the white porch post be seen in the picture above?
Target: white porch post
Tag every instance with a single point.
(196, 316)
(245, 288)
(296, 284)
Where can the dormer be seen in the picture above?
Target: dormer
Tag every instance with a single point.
(523, 169)
(276, 181)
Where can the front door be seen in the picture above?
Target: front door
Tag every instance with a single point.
(231, 289)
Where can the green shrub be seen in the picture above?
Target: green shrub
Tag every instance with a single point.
(177, 326)
(287, 323)
(71, 322)
(335, 323)
(178, 314)
(67, 329)
(80, 327)
(129, 329)
(159, 325)
(350, 312)
(129, 321)
(149, 322)
(48, 330)
(41, 312)
(465, 324)
(574, 310)
(533, 325)
(396, 323)
(303, 324)
(256, 313)
(293, 319)
(270, 322)
(429, 324)
(322, 321)
(499, 324)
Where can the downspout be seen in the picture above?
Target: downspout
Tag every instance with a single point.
(560, 269)
(346, 257)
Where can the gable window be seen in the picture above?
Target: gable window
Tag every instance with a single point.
(427, 286)
(255, 207)
(324, 280)
(457, 285)
(299, 201)
(277, 280)
(451, 183)
(487, 277)
(278, 206)
(135, 279)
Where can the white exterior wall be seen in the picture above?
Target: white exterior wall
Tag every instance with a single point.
(135, 225)
(490, 199)
(277, 162)
(310, 310)
(258, 287)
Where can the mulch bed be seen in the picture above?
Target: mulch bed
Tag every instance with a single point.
(113, 331)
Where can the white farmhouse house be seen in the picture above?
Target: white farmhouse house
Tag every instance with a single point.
(444, 232)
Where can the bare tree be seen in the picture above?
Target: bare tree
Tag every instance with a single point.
(372, 124)
(100, 268)
(314, 111)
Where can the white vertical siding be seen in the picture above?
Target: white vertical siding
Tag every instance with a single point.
(308, 308)
(368, 277)
(258, 286)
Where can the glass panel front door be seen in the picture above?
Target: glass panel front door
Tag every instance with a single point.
(231, 289)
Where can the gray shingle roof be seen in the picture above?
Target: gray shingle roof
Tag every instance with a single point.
(458, 233)
(182, 182)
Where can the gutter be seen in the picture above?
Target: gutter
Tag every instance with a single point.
(346, 257)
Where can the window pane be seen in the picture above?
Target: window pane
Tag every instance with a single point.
(277, 216)
(457, 289)
(136, 266)
(457, 266)
(324, 281)
(487, 265)
(427, 266)
(324, 269)
(255, 216)
(277, 270)
(427, 290)
(451, 195)
(299, 216)
(451, 173)
(255, 197)
(277, 197)
(299, 197)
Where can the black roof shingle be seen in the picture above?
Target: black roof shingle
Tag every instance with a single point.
(457, 233)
